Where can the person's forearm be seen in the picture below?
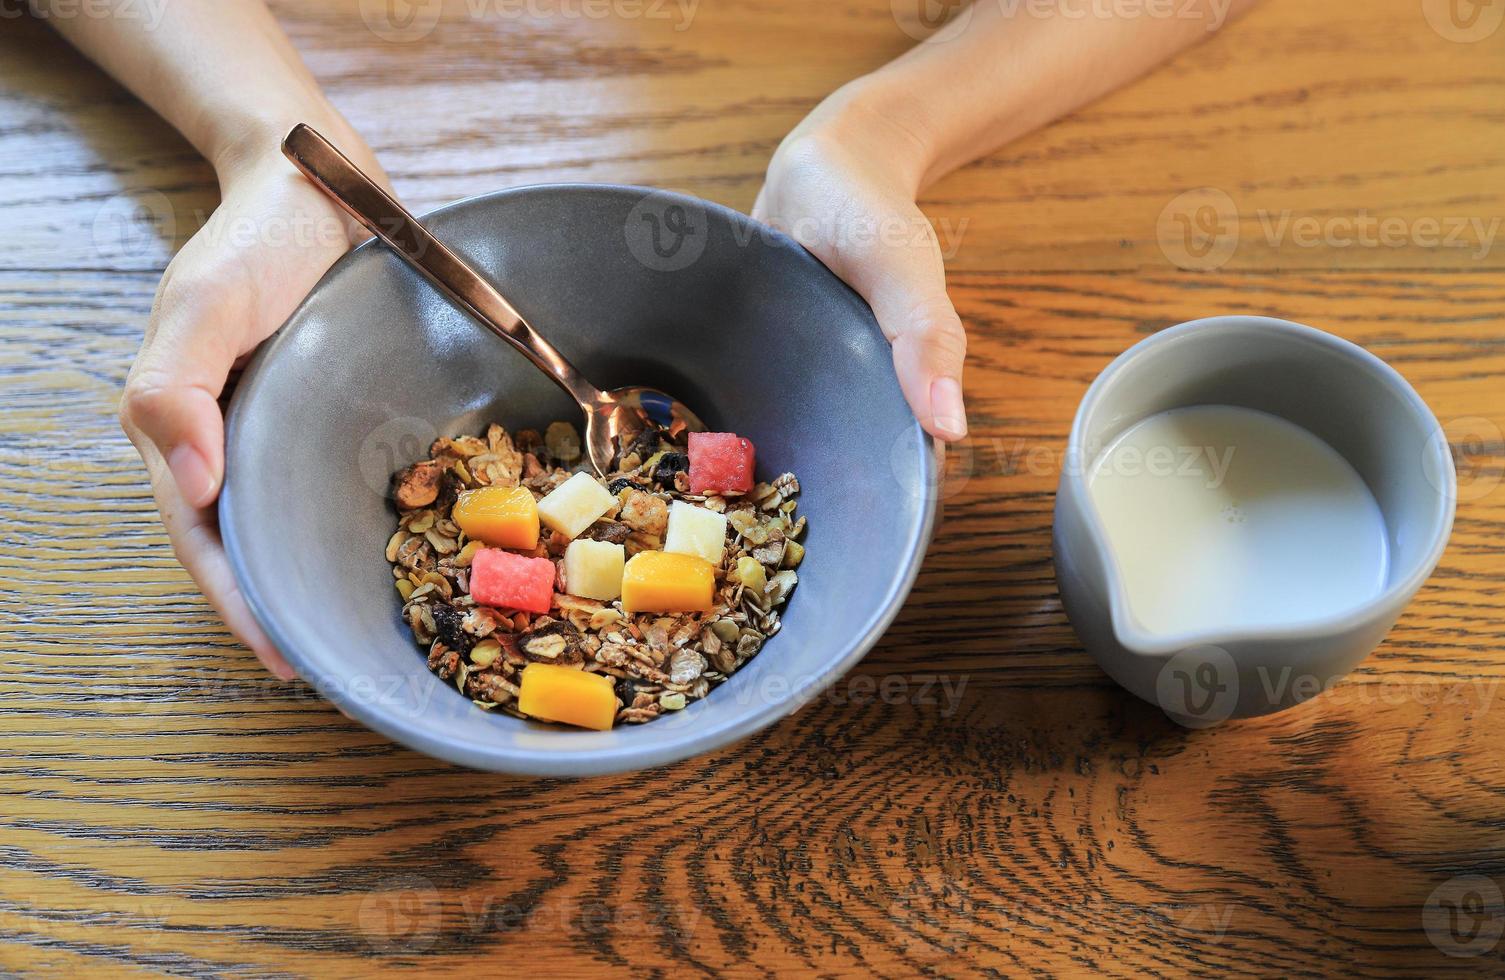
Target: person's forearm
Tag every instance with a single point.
(1003, 69)
(221, 72)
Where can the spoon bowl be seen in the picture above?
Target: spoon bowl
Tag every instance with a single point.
(624, 413)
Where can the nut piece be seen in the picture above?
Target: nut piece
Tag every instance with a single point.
(645, 512)
(418, 485)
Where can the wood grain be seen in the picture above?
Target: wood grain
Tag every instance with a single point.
(977, 797)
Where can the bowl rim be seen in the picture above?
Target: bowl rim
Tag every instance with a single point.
(689, 740)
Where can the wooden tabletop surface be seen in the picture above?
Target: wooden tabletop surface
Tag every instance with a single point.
(977, 796)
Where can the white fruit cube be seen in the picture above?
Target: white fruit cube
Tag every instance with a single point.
(593, 569)
(575, 505)
(696, 531)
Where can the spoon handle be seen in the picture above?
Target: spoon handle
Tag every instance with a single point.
(333, 173)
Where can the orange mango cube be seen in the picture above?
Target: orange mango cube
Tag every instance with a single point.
(567, 695)
(503, 517)
(662, 581)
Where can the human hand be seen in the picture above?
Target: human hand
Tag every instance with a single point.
(843, 184)
(234, 283)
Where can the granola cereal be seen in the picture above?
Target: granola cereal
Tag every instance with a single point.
(657, 662)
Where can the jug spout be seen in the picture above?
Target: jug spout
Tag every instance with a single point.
(1201, 678)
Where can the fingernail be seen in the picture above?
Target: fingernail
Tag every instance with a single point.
(197, 484)
(947, 409)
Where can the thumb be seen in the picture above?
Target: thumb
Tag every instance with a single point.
(172, 398)
(930, 347)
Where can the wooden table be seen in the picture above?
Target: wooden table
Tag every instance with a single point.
(169, 808)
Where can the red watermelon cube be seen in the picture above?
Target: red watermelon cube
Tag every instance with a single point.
(510, 581)
(720, 462)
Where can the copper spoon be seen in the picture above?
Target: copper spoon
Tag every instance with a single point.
(612, 418)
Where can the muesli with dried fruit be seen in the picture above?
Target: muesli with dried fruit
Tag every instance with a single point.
(542, 591)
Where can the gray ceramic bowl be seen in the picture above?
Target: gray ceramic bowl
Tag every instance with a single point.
(634, 286)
